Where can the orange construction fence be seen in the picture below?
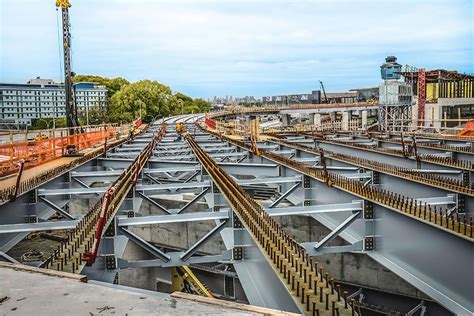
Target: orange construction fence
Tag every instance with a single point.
(468, 130)
(38, 152)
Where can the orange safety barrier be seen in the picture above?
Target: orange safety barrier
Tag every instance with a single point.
(37, 152)
(210, 122)
(468, 130)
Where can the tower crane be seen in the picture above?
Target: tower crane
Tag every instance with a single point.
(71, 108)
(324, 92)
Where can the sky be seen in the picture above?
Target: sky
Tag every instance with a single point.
(227, 47)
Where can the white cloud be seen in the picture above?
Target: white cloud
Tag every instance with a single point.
(250, 47)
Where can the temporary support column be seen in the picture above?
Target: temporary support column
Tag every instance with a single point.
(364, 119)
(285, 119)
(346, 117)
(315, 119)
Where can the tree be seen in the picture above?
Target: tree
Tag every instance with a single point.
(112, 84)
(202, 105)
(127, 101)
(146, 98)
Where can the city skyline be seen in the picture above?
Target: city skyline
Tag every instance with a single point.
(237, 48)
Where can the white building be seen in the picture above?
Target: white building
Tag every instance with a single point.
(41, 98)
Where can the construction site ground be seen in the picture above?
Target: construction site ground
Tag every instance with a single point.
(32, 291)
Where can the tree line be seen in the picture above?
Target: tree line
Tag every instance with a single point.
(127, 101)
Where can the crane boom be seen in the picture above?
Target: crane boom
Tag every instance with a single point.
(324, 92)
(71, 108)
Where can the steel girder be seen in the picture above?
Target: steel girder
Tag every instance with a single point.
(394, 183)
(403, 244)
(407, 247)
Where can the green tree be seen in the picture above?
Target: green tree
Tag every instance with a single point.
(146, 97)
(202, 105)
(112, 84)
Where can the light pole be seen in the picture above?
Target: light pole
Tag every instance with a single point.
(153, 118)
(47, 123)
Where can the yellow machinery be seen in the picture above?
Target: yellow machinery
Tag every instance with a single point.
(183, 279)
(40, 137)
(179, 127)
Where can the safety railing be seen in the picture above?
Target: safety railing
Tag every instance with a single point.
(17, 136)
(37, 152)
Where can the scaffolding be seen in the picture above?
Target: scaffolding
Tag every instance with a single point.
(395, 106)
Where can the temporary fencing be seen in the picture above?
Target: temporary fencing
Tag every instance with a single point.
(37, 152)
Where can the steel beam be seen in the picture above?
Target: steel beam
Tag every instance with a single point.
(36, 227)
(335, 232)
(169, 186)
(175, 261)
(77, 191)
(153, 202)
(284, 195)
(56, 207)
(196, 198)
(145, 245)
(192, 250)
(314, 209)
(172, 218)
(311, 250)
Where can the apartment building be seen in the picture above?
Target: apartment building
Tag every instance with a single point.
(20, 104)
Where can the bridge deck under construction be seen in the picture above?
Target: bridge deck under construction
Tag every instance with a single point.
(378, 195)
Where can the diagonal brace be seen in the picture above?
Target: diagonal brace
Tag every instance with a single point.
(337, 230)
(196, 198)
(153, 202)
(192, 176)
(82, 183)
(145, 245)
(55, 207)
(192, 250)
(284, 195)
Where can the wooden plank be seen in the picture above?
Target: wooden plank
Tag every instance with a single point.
(230, 305)
(60, 274)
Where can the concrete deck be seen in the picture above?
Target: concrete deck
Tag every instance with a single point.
(34, 293)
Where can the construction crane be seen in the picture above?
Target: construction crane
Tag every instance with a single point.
(324, 92)
(71, 108)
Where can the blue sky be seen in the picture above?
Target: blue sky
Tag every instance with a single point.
(224, 47)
